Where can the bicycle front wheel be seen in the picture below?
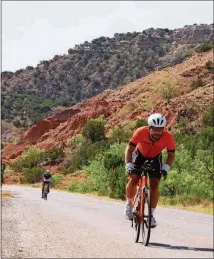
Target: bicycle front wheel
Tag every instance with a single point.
(45, 193)
(147, 216)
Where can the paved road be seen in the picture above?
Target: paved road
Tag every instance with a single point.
(70, 225)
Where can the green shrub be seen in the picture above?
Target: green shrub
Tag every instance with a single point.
(85, 152)
(140, 123)
(82, 187)
(33, 175)
(121, 134)
(117, 181)
(184, 200)
(197, 84)
(204, 47)
(208, 118)
(76, 140)
(184, 125)
(56, 179)
(190, 179)
(107, 175)
(33, 156)
(209, 65)
(73, 186)
(29, 159)
(168, 93)
(17, 166)
(53, 155)
(94, 129)
(113, 157)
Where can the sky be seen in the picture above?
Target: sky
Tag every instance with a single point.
(33, 31)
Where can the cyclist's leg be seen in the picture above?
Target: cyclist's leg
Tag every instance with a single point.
(43, 185)
(48, 187)
(154, 187)
(131, 187)
(155, 177)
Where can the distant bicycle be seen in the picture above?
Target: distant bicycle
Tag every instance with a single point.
(45, 193)
(141, 208)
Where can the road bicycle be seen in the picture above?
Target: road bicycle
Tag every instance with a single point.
(141, 206)
(45, 192)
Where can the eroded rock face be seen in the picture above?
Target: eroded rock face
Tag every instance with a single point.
(134, 101)
(12, 151)
(54, 131)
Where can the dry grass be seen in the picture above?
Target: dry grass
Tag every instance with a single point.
(202, 207)
(6, 195)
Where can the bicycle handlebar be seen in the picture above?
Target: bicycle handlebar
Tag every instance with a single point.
(147, 166)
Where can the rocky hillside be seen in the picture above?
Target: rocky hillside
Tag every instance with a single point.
(9, 132)
(29, 94)
(182, 93)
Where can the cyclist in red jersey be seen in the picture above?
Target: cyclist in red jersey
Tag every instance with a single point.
(147, 143)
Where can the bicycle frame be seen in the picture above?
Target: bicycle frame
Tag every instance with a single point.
(142, 188)
(141, 219)
(142, 185)
(45, 192)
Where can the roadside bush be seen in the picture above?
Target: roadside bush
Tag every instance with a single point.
(114, 156)
(94, 130)
(82, 187)
(107, 175)
(33, 156)
(56, 179)
(32, 175)
(29, 159)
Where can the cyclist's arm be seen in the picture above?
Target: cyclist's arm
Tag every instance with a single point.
(128, 153)
(170, 150)
(170, 157)
(131, 146)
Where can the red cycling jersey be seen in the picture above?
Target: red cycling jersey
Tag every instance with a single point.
(147, 147)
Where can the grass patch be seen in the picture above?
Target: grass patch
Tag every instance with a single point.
(35, 185)
(6, 195)
(187, 203)
(196, 84)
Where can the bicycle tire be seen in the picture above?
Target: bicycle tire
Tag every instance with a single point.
(147, 217)
(45, 195)
(135, 218)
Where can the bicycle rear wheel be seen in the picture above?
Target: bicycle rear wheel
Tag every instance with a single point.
(136, 222)
(45, 195)
(147, 216)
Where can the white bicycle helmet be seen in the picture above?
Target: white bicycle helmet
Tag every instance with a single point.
(47, 172)
(157, 120)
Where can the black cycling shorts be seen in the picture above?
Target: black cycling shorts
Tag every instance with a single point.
(138, 160)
